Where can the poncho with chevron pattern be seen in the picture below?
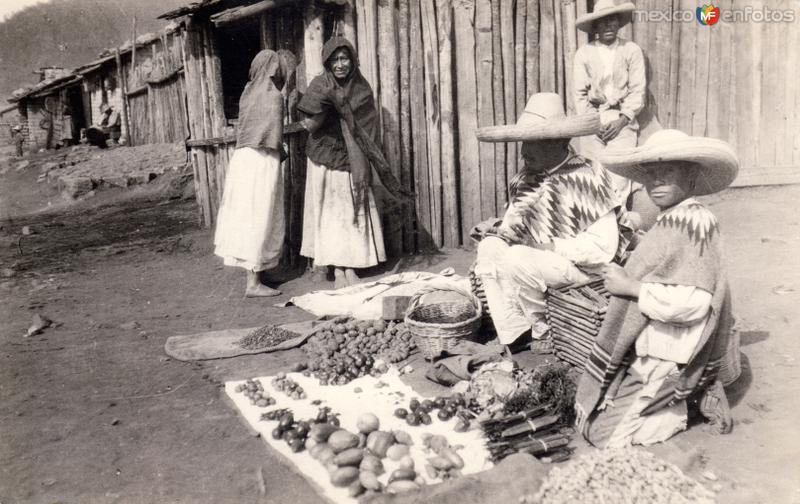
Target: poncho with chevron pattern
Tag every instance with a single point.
(559, 203)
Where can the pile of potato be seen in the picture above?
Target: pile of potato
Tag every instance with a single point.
(608, 475)
(349, 348)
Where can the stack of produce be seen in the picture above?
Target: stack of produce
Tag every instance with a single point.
(254, 390)
(265, 337)
(627, 474)
(288, 386)
(575, 315)
(347, 349)
(419, 412)
(353, 460)
(536, 418)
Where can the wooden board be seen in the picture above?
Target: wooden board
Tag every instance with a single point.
(431, 51)
(531, 48)
(469, 150)
(507, 41)
(390, 113)
(483, 67)
(406, 156)
(419, 129)
(223, 344)
(498, 90)
(451, 232)
(366, 28)
(547, 47)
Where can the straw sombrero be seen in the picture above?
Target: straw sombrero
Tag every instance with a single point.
(542, 119)
(603, 8)
(716, 160)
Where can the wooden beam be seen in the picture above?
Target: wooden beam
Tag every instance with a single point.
(243, 12)
(451, 231)
(483, 65)
(126, 137)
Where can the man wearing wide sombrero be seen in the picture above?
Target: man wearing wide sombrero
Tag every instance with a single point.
(609, 77)
(666, 334)
(559, 224)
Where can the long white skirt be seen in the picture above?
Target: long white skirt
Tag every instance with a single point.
(250, 223)
(330, 236)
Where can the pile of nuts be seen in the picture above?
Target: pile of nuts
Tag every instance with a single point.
(288, 386)
(348, 349)
(255, 392)
(606, 475)
(266, 337)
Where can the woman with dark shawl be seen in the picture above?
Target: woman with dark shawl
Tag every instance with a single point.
(250, 223)
(341, 225)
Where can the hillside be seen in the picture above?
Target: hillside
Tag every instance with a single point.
(68, 33)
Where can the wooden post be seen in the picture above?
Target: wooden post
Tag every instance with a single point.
(674, 61)
(195, 105)
(450, 215)
(581, 8)
(559, 48)
(531, 48)
(367, 25)
(547, 48)
(133, 45)
(570, 46)
(419, 128)
(498, 89)
(390, 107)
(509, 78)
(466, 77)
(312, 41)
(519, 55)
(431, 51)
(126, 133)
(406, 158)
(266, 24)
(349, 23)
(484, 64)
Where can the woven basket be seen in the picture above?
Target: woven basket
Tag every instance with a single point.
(437, 327)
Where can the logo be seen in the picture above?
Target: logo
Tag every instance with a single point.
(707, 15)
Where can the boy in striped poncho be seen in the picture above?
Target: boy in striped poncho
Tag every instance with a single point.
(667, 328)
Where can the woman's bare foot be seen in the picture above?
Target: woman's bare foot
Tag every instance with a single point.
(256, 289)
(351, 276)
(339, 278)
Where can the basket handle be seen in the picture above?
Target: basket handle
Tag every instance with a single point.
(415, 299)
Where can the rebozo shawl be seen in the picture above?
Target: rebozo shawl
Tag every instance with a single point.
(348, 139)
(260, 123)
(562, 203)
(682, 248)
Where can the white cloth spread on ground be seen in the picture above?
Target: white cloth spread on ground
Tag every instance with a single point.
(250, 223)
(365, 300)
(330, 236)
(382, 401)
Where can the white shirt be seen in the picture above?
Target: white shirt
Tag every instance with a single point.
(678, 314)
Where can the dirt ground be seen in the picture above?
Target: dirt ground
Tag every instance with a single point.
(92, 410)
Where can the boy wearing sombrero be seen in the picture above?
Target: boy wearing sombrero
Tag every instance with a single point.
(609, 78)
(667, 328)
(560, 221)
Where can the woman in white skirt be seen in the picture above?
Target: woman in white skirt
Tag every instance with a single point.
(250, 223)
(341, 225)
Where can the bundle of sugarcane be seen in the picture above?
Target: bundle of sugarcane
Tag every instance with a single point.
(533, 431)
(575, 315)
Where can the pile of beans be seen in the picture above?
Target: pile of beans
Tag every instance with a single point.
(265, 337)
(620, 475)
(347, 349)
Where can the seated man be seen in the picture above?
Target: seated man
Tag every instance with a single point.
(109, 127)
(668, 324)
(560, 221)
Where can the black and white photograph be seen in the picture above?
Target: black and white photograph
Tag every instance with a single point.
(399, 251)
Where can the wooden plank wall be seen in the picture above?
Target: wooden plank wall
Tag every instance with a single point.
(736, 81)
(470, 63)
(156, 92)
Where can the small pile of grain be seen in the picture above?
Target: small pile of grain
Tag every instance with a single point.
(620, 475)
(265, 337)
